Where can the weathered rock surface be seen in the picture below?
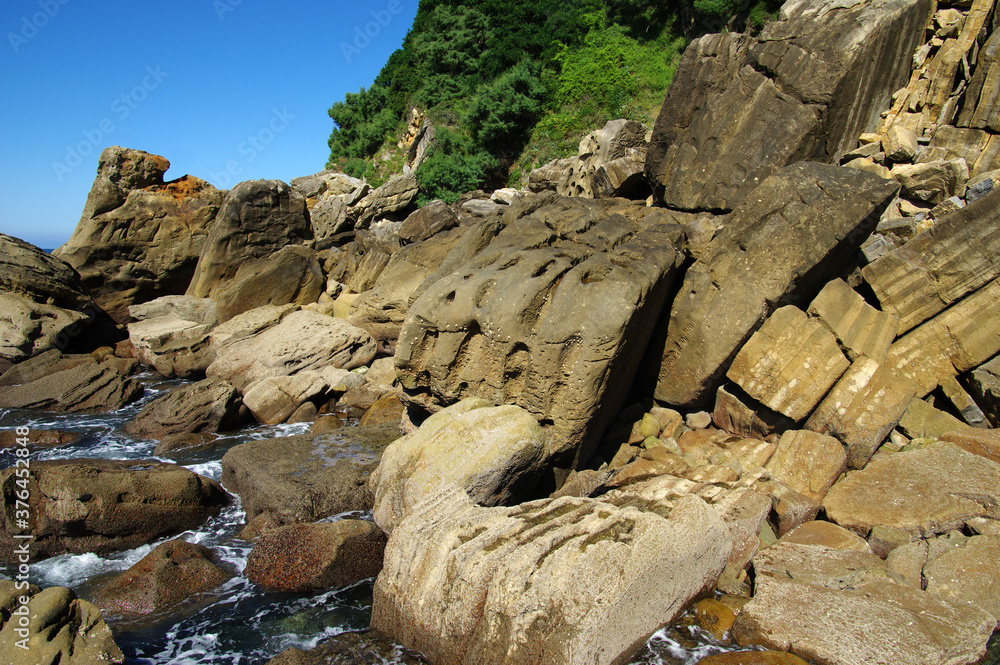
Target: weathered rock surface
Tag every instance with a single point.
(257, 218)
(861, 410)
(820, 77)
(924, 492)
(300, 341)
(789, 364)
(44, 304)
(777, 248)
(290, 275)
(74, 383)
(299, 558)
(211, 405)
(495, 454)
(306, 478)
(983, 384)
(61, 629)
(171, 573)
(553, 581)
(958, 255)
(826, 534)
(273, 399)
(923, 421)
(821, 566)
(100, 506)
(985, 443)
(737, 413)
(880, 622)
(808, 462)
(427, 221)
(968, 574)
(139, 238)
(365, 647)
(508, 325)
(394, 196)
(171, 334)
(861, 329)
(958, 339)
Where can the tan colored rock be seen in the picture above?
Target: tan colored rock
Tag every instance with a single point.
(290, 275)
(76, 384)
(736, 415)
(985, 443)
(211, 405)
(932, 182)
(273, 399)
(899, 144)
(880, 622)
(861, 410)
(860, 328)
(955, 341)
(61, 629)
(300, 341)
(923, 421)
(300, 558)
(808, 462)
(962, 402)
(493, 453)
(968, 574)
(826, 534)
(925, 492)
(172, 572)
(776, 246)
(394, 195)
(789, 363)
(560, 581)
(958, 255)
(820, 566)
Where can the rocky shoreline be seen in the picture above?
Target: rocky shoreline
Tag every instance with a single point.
(745, 362)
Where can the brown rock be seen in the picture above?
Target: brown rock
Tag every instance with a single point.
(310, 557)
(985, 443)
(860, 328)
(827, 535)
(212, 405)
(808, 462)
(932, 182)
(292, 275)
(923, 421)
(171, 573)
(87, 386)
(752, 658)
(37, 438)
(714, 617)
(737, 413)
(274, 399)
(387, 409)
(968, 574)
(428, 221)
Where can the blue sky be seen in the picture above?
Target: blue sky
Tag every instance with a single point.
(226, 90)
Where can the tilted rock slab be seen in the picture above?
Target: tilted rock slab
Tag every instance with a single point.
(61, 628)
(552, 316)
(741, 108)
(860, 328)
(808, 462)
(864, 406)
(300, 341)
(71, 383)
(257, 218)
(211, 405)
(100, 506)
(968, 573)
(958, 339)
(560, 581)
(880, 622)
(789, 364)
(786, 240)
(925, 492)
(290, 275)
(495, 454)
(958, 255)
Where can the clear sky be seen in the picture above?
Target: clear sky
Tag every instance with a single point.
(226, 90)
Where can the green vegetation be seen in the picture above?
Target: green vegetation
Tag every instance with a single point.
(510, 85)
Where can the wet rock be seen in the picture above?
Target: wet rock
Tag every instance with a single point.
(38, 438)
(139, 238)
(752, 658)
(494, 453)
(61, 629)
(552, 581)
(170, 574)
(387, 409)
(509, 325)
(257, 218)
(369, 646)
(101, 506)
(300, 341)
(777, 247)
(879, 622)
(925, 492)
(211, 405)
(290, 275)
(310, 557)
(306, 478)
(74, 384)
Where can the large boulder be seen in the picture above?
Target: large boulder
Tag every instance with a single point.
(171, 334)
(100, 506)
(300, 558)
(306, 478)
(562, 581)
(819, 77)
(171, 573)
(290, 275)
(139, 238)
(257, 218)
(58, 628)
(552, 316)
(301, 340)
(496, 454)
(44, 305)
(74, 383)
(779, 247)
(211, 405)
